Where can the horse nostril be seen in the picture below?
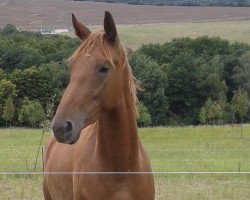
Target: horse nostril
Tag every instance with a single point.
(67, 127)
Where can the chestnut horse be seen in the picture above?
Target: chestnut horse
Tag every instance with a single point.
(95, 125)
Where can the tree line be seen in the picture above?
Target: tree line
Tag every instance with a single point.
(192, 81)
(33, 75)
(185, 81)
(232, 3)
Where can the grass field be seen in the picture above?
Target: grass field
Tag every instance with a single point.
(181, 149)
(134, 36)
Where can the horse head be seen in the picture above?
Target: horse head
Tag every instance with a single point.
(96, 80)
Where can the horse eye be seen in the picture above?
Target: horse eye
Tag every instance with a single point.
(104, 69)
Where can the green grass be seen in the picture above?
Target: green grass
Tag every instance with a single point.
(18, 149)
(170, 149)
(134, 36)
(198, 149)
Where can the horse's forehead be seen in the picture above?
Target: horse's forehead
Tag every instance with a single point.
(83, 59)
(99, 54)
(84, 55)
(97, 50)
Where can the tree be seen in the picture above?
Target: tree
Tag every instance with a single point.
(31, 112)
(41, 83)
(242, 73)
(215, 78)
(212, 110)
(33, 84)
(215, 111)
(240, 103)
(2, 74)
(21, 50)
(153, 83)
(186, 87)
(7, 90)
(194, 70)
(242, 3)
(203, 115)
(230, 63)
(177, 77)
(204, 112)
(57, 76)
(144, 118)
(8, 110)
(9, 29)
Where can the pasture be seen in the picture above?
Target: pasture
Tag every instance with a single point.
(133, 36)
(179, 149)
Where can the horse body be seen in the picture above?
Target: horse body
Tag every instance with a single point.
(101, 123)
(85, 156)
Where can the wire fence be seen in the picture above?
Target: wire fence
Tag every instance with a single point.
(23, 182)
(168, 185)
(188, 149)
(114, 173)
(180, 171)
(16, 162)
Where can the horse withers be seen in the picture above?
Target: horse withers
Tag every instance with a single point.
(95, 126)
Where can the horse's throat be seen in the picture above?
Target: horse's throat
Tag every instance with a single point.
(118, 138)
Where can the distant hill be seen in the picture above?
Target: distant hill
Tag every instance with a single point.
(233, 3)
(35, 15)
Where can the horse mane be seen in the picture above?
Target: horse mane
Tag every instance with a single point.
(98, 39)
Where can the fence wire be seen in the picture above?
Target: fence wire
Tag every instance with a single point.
(114, 173)
(26, 183)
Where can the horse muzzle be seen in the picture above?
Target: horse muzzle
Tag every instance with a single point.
(66, 132)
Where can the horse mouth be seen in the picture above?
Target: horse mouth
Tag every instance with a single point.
(75, 139)
(67, 140)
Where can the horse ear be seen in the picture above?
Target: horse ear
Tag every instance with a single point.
(110, 28)
(80, 30)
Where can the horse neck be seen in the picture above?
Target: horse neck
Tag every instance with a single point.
(118, 136)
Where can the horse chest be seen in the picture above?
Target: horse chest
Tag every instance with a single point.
(111, 187)
(104, 193)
